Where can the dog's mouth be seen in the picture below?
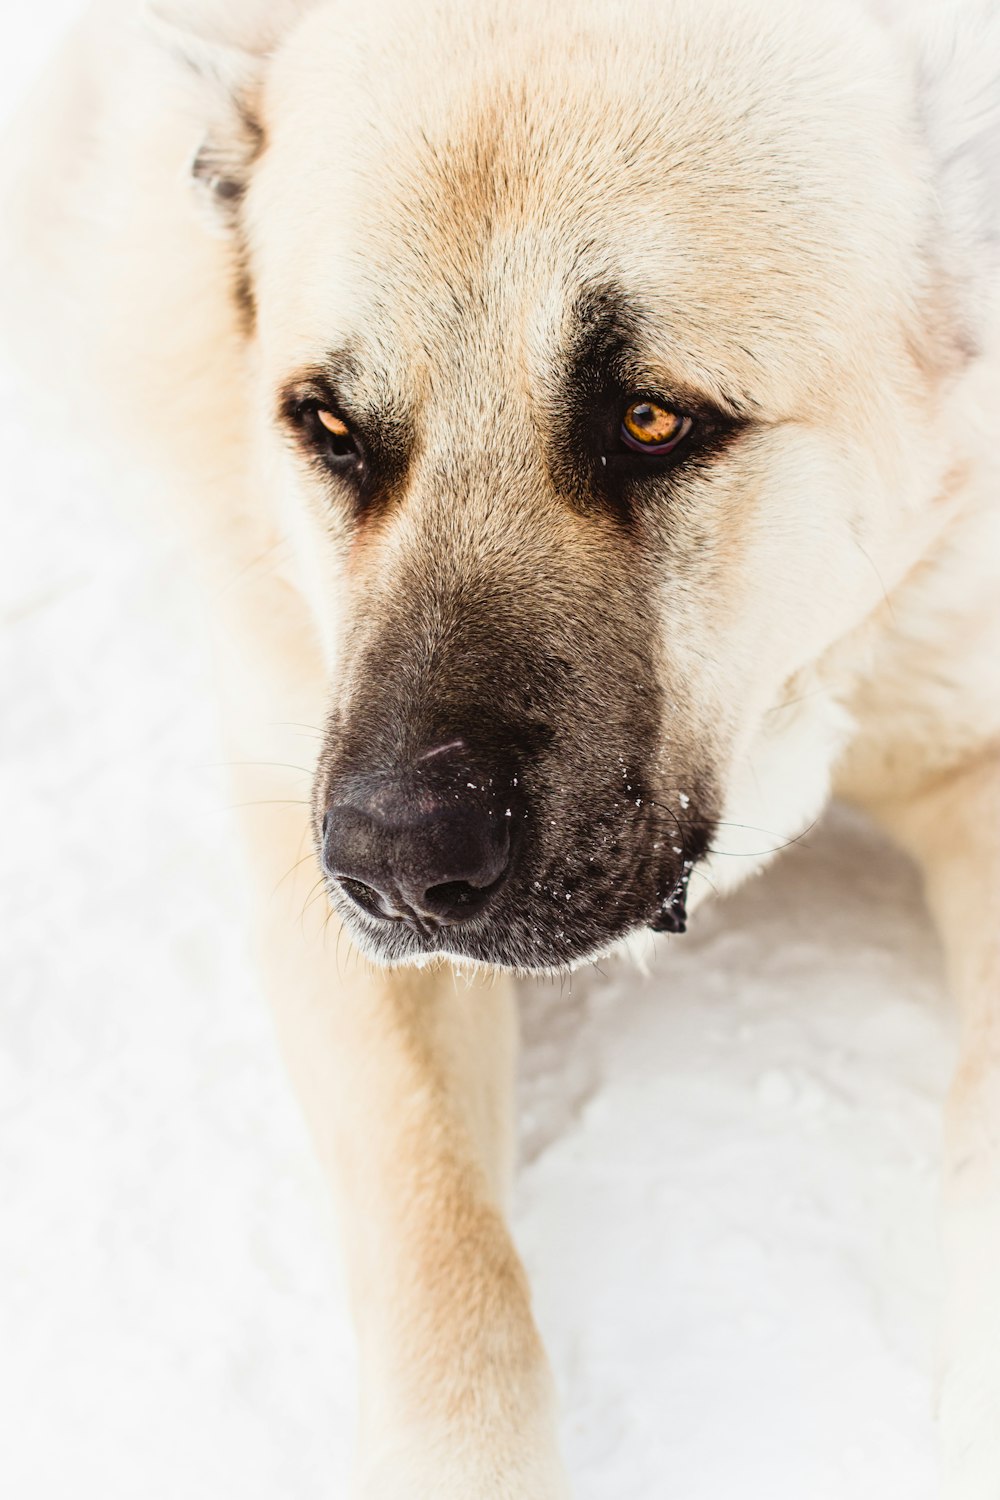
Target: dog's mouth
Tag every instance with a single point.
(520, 942)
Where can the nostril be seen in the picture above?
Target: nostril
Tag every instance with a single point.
(363, 895)
(455, 894)
(454, 900)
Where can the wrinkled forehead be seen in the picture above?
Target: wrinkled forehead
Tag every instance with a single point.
(457, 188)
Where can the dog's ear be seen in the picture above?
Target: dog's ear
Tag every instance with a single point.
(202, 29)
(956, 53)
(224, 45)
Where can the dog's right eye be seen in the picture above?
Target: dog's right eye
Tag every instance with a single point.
(321, 431)
(329, 433)
(335, 426)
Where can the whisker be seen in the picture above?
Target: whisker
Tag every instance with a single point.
(280, 765)
(756, 854)
(881, 581)
(310, 899)
(706, 878)
(297, 865)
(271, 802)
(786, 703)
(267, 556)
(294, 724)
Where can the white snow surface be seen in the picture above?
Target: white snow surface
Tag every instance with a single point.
(728, 1192)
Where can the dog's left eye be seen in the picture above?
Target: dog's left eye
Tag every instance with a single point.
(650, 428)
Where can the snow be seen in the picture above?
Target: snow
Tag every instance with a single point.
(727, 1200)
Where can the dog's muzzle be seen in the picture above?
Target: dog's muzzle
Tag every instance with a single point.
(481, 850)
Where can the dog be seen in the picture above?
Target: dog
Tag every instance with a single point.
(585, 409)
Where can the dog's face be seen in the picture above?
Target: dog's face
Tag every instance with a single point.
(595, 364)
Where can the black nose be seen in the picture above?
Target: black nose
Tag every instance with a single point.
(426, 854)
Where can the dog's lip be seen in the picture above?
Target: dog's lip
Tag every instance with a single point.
(536, 965)
(419, 940)
(672, 913)
(424, 941)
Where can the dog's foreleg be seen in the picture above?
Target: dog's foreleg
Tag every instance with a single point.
(405, 1077)
(954, 830)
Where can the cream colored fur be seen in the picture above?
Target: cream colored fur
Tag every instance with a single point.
(829, 252)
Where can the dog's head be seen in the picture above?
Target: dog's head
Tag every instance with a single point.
(603, 355)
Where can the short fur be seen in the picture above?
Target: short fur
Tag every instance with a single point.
(477, 231)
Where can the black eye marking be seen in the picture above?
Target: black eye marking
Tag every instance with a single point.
(628, 442)
(358, 454)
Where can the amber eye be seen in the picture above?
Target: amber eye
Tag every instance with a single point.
(333, 424)
(649, 428)
(337, 436)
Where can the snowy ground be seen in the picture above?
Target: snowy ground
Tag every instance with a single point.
(727, 1202)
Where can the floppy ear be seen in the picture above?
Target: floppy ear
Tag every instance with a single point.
(248, 27)
(956, 48)
(225, 45)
